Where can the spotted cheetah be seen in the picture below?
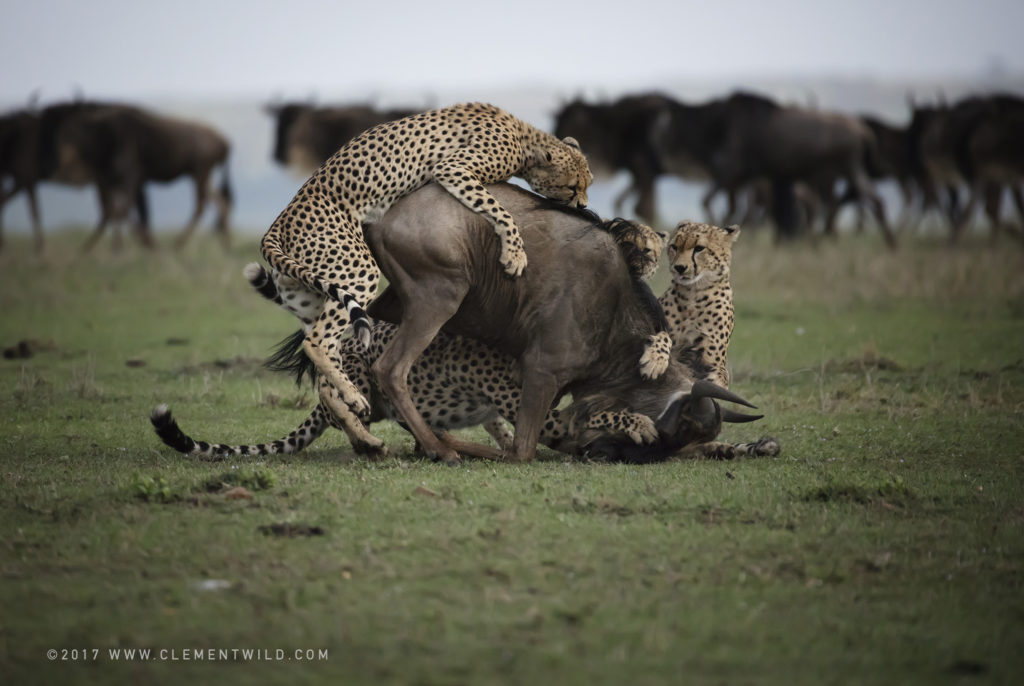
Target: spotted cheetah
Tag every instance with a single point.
(458, 382)
(318, 238)
(698, 304)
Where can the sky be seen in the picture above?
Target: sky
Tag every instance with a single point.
(291, 48)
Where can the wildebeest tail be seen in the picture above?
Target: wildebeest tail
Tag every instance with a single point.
(288, 265)
(171, 434)
(290, 357)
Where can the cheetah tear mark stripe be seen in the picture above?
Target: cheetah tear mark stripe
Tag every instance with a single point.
(171, 434)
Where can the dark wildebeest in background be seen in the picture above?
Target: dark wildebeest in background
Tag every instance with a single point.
(575, 319)
(120, 148)
(617, 136)
(306, 135)
(990, 157)
(747, 137)
(896, 162)
(19, 141)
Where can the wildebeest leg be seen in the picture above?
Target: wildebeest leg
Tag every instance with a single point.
(784, 210)
(469, 448)
(420, 324)
(707, 200)
(1017, 193)
(222, 197)
(202, 181)
(105, 210)
(906, 211)
(141, 226)
(37, 227)
(869, 195)
(539, 389)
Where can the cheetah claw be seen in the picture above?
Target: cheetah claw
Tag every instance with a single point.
(655, 359)
(514, 261)
(646, 432)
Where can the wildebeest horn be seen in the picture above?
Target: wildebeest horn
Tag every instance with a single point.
(738, 417)
(706, 389)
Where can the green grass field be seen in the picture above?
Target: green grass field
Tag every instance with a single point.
(885, 545)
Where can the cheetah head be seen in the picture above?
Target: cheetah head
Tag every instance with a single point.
(639, 244)
(560, 172)
(700, 254)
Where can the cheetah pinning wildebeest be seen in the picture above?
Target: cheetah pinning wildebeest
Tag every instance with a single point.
(318, 238)
(459, 382)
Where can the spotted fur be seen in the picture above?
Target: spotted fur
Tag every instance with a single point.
(698, 304)
(318, 241)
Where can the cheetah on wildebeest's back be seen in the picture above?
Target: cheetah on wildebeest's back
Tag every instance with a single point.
(318, 238)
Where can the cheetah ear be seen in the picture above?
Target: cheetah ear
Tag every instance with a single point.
(733, 232)
(572, 143)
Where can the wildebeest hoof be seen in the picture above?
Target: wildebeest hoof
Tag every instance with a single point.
(450, 458)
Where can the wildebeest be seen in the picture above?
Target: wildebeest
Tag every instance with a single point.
(306, 135)
(617, 136)
(574, 320)
(991, 158)
(19, 139)
(895, 161)
(120, 148)
(747, 137)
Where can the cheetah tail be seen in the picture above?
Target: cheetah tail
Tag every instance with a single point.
(289, 266)
(261, 280)
(171, 434)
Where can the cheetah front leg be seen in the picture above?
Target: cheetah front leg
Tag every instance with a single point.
(457, 174)
(657, 352)
(638, 427)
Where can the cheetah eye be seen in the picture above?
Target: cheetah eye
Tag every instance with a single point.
(697, 249)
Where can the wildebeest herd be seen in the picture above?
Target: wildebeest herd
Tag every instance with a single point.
(501, 301)
(796, 166)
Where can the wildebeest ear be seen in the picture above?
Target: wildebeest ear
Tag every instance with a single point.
(572, 143)
(733, 231)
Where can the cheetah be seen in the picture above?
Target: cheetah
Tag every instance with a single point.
(698, 304)
(317, 239)
(458, 382)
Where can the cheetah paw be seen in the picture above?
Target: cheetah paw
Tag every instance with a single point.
(513, 260)
(656, 355)
(644, 432)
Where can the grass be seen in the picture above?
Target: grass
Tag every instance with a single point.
(884, 546)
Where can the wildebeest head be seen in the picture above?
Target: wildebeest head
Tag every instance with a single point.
(560, 172)
(285, 116)
(690, 419)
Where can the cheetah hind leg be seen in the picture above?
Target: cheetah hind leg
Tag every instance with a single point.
(339, 416)
(348, 404)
